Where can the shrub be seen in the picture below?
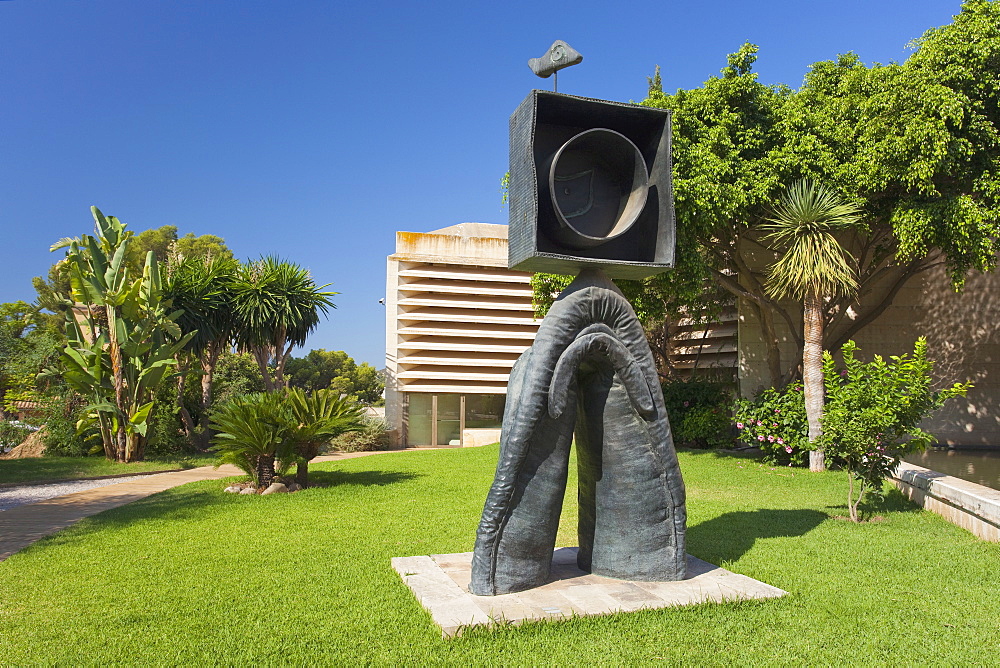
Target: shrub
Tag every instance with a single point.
(699, 413)
(776, 423)
(872, 414)
(61, 415)
(13, 433)
(374, 435)
(251, 434)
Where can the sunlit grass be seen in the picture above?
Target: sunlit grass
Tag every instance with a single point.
(68, 468)
(194, 576)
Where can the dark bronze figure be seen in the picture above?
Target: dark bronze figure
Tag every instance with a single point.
(589, 372)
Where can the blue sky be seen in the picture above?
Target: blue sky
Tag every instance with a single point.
(315, 130)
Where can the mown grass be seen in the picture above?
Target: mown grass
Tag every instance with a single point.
(69, 468)
(196, 576)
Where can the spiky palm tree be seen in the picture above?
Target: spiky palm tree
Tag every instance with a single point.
(317, 419)
(277, 305)
(251, 432)
(813, 267)
(202, 287)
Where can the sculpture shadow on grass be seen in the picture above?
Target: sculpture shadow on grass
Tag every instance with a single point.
(731, 535)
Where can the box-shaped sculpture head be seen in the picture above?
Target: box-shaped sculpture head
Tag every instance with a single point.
(590, 186)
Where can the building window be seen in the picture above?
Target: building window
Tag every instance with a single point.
(438, 419)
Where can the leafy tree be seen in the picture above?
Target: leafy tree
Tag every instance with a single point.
(276, 305)
(335, 369)
(812, 268)
(874, 412)
(121, 337)
(165, 245)
(914, 145)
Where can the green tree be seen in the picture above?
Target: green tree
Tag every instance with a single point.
(121, 337)
(813, 267)
(874, 412)
(166, 246)
(334, 369)
(915, 145)
(276, 305)
(202, 288)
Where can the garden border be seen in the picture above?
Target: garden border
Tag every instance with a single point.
(973, 507)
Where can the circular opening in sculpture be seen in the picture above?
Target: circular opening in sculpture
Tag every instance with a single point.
(598, 184)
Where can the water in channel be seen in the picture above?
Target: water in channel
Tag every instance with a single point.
(979, 466)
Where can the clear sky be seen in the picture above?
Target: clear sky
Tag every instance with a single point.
(315, 130)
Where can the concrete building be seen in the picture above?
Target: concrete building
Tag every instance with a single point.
(456, 320)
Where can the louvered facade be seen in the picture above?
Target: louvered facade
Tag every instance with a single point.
(457, 320)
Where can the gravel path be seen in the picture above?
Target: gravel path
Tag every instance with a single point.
(11, 497)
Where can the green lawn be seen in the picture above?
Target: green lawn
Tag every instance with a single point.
(195, 576)
(69, 468)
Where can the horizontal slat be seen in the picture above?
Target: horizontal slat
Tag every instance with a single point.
(465, 273)
(454, 330)
(493, 303)
(429, 374)
(505, 362)
(463, 346)
(468, 315)
(466, 288)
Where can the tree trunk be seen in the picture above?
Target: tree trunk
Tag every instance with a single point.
(186, 420)
(812, 373)
(302, 474)
(208, 363)
(265, 472)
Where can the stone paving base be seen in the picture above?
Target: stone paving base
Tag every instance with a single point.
(441, 584)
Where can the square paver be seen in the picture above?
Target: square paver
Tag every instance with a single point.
(441, 584)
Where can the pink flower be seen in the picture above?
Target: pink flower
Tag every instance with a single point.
(760, 438)
(686, 404)
(788, 449)
(759, 423)
(770, 439)
(774, 424)
(739, 425)
(776, 410)
(781, 441)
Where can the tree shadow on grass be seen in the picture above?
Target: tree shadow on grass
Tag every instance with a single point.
(361, 478)
(731, 535)
(892, 501)
(192, 504)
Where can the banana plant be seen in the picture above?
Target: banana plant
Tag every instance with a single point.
(122, 337)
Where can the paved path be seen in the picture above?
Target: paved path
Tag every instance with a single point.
(23, 525)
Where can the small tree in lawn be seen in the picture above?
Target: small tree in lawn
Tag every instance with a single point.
(813, 266)
(252, 433)
(318, 418)
(873, 413)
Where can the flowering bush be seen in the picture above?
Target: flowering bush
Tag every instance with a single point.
(699, 413)
(776, 423)
(872, 414)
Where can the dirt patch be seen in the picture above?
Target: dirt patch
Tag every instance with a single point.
(33, 446)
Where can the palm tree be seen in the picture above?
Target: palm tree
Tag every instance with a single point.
(277, 305)
(813, 267)
(318, 418)
(251, 432)
(202, 287)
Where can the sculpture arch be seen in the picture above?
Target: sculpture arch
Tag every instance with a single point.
(588, 373)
